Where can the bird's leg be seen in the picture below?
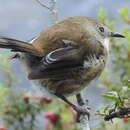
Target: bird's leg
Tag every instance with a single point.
(15, 56)
(81, 103)
(79, 110)
(79, 99)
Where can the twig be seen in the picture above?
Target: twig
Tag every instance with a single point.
(54, 11)
(121, 101)
(123, 112)
(100, 114)
(43, 5)
(127, 20)
(84, 120)
(52, 8)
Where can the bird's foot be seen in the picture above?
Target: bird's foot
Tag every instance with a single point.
(15, 56)
(81, 111)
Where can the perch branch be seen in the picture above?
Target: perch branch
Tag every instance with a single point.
(84, 120)
(122, 113)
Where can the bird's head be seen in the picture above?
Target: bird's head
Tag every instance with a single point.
(102, 32)
(105, 32)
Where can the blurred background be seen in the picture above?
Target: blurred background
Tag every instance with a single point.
(25, 19)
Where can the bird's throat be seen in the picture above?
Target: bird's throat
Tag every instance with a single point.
(106, 43)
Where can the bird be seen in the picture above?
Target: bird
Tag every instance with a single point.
(65, 58)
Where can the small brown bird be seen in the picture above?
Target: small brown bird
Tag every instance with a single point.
(65, 58)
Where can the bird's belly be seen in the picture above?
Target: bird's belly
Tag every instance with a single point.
(74, 86)
(66, 88)
(92, 72)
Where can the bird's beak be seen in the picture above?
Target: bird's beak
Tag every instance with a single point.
(113, 34)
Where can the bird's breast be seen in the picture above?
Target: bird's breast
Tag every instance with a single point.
(92, 68)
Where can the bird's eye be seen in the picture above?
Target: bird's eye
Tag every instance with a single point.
(101, 29)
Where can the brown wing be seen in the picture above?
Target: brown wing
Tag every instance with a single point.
(59, 64)
(63, 62)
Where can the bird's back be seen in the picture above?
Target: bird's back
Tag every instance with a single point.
(72, 28)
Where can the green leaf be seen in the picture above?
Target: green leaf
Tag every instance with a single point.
(110, 24)
(102, 14)
(3, 92)
(126, 32)
(124, 12)
(113, 95)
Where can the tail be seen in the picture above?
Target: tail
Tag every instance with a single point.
(18, 46)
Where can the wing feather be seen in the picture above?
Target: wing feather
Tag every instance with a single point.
(63, 62)
(59, 64)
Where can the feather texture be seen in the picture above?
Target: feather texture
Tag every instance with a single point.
(59, 64)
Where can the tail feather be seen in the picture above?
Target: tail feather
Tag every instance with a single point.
(16, 45)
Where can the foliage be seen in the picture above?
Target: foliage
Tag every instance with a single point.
(116, 78)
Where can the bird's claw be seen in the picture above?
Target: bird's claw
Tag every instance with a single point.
(82, 112)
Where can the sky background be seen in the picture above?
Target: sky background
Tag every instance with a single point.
(25, 19)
